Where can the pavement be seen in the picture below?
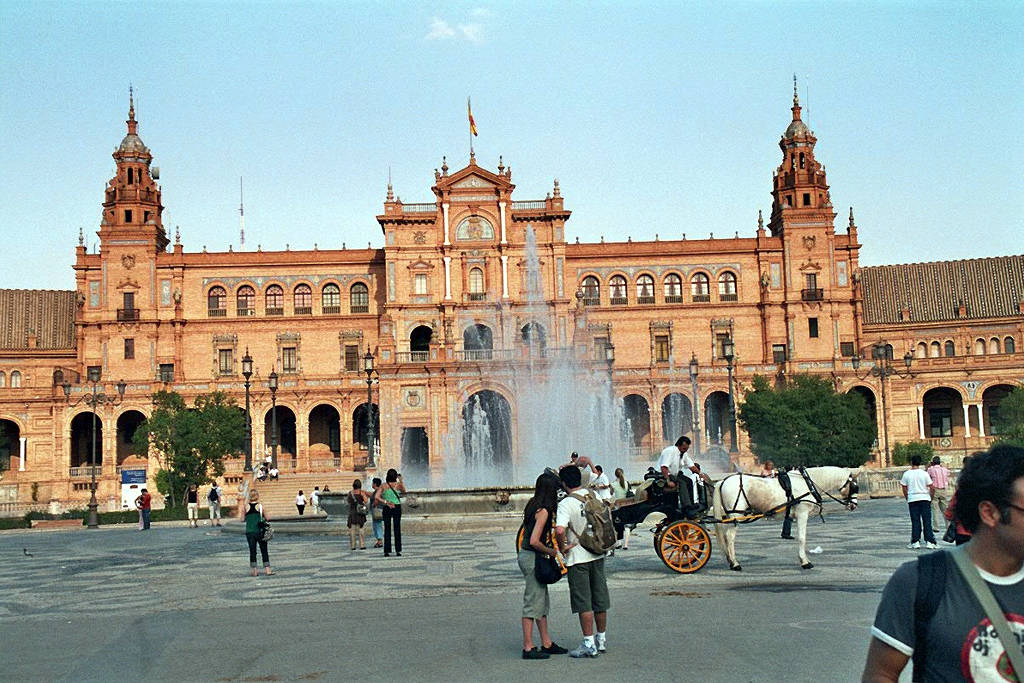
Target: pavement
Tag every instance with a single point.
(177, 604)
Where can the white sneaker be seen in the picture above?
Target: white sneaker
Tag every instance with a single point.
(914, 546)
(601, 644)
(583, 651)
(930, 546)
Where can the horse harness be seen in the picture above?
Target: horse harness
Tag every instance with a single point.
(787, 487)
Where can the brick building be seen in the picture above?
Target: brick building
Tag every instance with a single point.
(471, 298)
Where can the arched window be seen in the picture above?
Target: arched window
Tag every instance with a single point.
(217, 302)
(936, 350)
(359, 298)
(921, 350)
(993, 345)
(727, 286)
(274, 300)
(979, 347)
(15, 379)
(303, 299)
(591, 291)
(645, 289)
(3, 379)
(617, 290)
(673, 289)
(330, 299)
(476, 285)
(950, 348)
(1009, 346)
(700, 287)
(245, 300)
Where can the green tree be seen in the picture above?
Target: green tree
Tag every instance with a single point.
(191, 443)
(805, 422)
(903, 452)
(1009, 422)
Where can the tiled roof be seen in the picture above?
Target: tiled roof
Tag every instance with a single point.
(932, 292)
(49, 314)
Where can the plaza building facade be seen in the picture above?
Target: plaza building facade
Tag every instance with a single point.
(471, 295)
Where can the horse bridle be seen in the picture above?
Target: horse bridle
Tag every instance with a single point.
(852, 489)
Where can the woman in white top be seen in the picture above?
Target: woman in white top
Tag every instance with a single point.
(300, 502)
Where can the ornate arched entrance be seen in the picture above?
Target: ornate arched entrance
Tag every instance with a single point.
(636, 419)
(487, 431)
(82, 440)
(127, 423)
(676, 417)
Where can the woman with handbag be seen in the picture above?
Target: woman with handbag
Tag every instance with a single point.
(536, 547)
(389, 496)
(621, 490)
(377, 515)
(254, 518)
(357, 509)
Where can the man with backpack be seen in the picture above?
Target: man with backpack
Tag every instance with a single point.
(579, 513)
(945, 609)
(213, 498)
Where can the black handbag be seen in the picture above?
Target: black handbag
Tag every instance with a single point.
(266, 532)
(546, 569)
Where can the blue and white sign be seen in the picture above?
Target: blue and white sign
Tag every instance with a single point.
(133, 476)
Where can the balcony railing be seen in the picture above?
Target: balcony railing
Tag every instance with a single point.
(275, 311)
(419, 208)
(728, 297)
(360, 308)
(303, 310)
(484, 354)
(529, 206)
(127, 314)
(673, 299)
(619, 301)
(217, 312)
(478, 296)
(85, 471)
(645, 300)
(330, 310)
(812, 294)
(701, 298)
(246, 312)
(591, 301)
(412, 356)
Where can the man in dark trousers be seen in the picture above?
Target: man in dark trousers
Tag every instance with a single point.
(145, 503)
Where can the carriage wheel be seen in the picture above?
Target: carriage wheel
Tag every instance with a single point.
(683, 546)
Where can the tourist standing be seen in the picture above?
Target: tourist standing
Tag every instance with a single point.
(357, 500)
(959, 642)
(300, 502)
(376, 514)
(254, 514)
(767, 470)
(538, 517)
(588, 589)
(145, 504)
(940, 491)
(213, 498)
(192, 503)
(601, 486)
(620, 490)
(314, 500)
(916, 487)
(389, 495)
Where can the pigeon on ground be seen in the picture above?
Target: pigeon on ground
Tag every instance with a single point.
(27, 553)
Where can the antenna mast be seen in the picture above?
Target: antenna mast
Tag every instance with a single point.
(241, 217)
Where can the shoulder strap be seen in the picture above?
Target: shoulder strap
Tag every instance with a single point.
(931, 584)
(992, 609)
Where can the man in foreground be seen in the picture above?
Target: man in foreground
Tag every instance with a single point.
(958, 642)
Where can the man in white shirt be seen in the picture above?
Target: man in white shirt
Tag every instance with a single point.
(588, 588)
(917, 489)
(601, 485)
(673, 460)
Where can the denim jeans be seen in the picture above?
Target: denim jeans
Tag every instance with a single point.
(392, 518)
(145, 518)
(921, 519)
(378, 529)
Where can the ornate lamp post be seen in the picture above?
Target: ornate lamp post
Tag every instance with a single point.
(272, 385)
(728, 350)
(882, 369)
(94, 401)
(368, 369)
(247, 373)
(694, 369)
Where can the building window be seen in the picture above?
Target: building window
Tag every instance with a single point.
(673, 289)
(3, 379)
(720, 339)
(303, 297)
(476, 285)
(419, 284)
(352, 357)
(811, 291)
(661, 348)
(217, 302)
(129, 349)
(807, 196)
(950, 348)
(600, 343)
(645, 290)
(289, 359)
(591, 291)
(245, 301)
(812, 328)
(779, 353)
(727, 286)
(700, 287)
(127, 215)
(128, 312)
(940, 422)
(1009, 346)
(94, 371)
(993, 346)
(330, 303)
(15, 379)
(274, 300)
(935, 350)
(846, 349)
(225, 362)
(167, 372)
(359, 295)
(979, 347)
(617, 290)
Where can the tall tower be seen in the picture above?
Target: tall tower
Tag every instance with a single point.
(241, 217)
(132, 212)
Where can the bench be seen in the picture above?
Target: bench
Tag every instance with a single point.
(57, 524)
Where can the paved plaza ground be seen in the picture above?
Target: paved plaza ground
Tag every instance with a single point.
(177, 604)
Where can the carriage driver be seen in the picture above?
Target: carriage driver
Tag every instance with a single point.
(674, 460)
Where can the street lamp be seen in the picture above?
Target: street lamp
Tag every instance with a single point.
(694, 369)
(368, 369)
(728, 350)
(93, 401)
(883, 368)
(272, 385)
(247, 373)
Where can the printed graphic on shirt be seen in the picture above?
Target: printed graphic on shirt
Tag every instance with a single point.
(983, 659)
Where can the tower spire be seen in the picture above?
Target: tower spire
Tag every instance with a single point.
(241, 216)
(133, 125)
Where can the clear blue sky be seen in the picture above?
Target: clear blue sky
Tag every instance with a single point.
(655, 118)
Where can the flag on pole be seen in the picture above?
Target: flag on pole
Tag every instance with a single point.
(472, 123)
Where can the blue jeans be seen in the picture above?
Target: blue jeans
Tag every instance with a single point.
(145, 519)
(378, 529)
(921, 518)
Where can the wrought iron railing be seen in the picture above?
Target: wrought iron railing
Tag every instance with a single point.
(246, 312)
(619, 301)
(728, 297)
(478, 296)
(303, 310)
(673, 299)
(127, 314)
(217, 312)
(330, 310)
(360, 308)
(812, 294)
(645, 300)
(701, 298)
(275, 311)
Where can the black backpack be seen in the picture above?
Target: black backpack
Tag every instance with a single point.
(931, 585)
(213, 496)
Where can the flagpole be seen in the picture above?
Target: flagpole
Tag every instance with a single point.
(469, 109)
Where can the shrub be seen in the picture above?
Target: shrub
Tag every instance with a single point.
(903, 452)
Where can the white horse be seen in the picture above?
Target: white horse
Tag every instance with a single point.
(744, 495)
